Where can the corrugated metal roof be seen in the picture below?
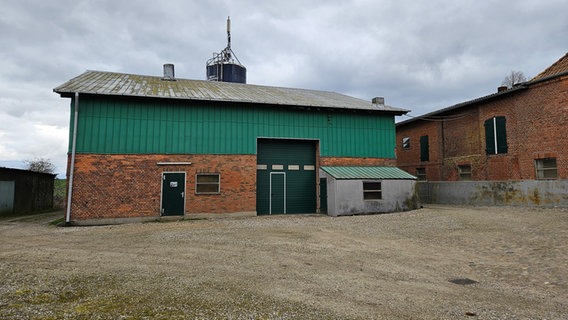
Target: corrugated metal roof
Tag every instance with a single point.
(110, 83)
(378, 173)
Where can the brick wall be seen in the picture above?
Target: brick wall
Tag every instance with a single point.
(121, 186)
(348, 161)
(408, 159)
(536, 125)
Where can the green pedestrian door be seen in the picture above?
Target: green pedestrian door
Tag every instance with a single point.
(277, 192)
(173, 193)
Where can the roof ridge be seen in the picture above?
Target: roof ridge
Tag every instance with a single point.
(560, 66)
(127, 84)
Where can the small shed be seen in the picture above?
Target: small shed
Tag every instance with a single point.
(354, 190)
(24, 191)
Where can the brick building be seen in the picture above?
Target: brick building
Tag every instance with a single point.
(516, 134)
(146, 147)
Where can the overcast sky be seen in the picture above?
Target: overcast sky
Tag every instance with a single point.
(419, 55)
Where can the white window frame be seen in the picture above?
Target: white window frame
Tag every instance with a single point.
(541, 170)
(372, 191)
(421, 175)
(465, 174)
(197, 183)
(406, 143)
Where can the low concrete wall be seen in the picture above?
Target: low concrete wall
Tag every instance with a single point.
(545, 193)
(345, 197)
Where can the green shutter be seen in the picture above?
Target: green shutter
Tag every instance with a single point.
(496, 135)
(424, 149)
(489, 137)
(501, 130)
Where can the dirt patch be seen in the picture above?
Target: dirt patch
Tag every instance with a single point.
(506, 263)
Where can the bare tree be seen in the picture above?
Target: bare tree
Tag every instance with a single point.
(514, 78)
(40, 165)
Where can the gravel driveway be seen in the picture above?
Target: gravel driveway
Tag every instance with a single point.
(434, 263)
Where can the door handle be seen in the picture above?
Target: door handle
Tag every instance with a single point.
(182, 194)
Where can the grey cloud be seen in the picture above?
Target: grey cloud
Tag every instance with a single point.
(418, 55)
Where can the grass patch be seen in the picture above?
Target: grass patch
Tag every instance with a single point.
(57, 222)
(59, 192)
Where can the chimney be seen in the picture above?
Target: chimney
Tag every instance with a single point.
(378, 101)
(501, 88)
(169, 72)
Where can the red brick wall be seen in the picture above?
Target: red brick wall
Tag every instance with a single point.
(409, 159)
(119, 186)
(537, 127)
(347, 161)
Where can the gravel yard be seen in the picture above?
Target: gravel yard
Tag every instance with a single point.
(439, 262)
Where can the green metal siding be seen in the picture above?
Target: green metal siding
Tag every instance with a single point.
(152, 126)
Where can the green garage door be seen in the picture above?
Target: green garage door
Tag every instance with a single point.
(286, 176)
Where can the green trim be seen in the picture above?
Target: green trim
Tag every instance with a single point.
(362, 173)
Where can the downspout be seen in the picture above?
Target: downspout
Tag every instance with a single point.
(73, 151)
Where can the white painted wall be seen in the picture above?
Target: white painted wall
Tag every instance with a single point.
(345, 197)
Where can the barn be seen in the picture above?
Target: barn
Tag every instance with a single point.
(24, 191)
(143, 147)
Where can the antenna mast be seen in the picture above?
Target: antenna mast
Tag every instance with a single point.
(225, 66)
(229, 32)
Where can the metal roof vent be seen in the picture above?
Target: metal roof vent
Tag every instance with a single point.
(169, 72)
(378, 101)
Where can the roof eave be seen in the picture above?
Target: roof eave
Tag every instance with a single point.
(71, 94)
(520, 87)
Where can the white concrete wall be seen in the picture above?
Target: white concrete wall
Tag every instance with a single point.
(345, 197)
(545, 193)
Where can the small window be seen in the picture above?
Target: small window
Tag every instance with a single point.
(546, 168)
(424, 149)
(464, 172)
(372, 190)
(207, 183)
(421, 174)
(406, 143)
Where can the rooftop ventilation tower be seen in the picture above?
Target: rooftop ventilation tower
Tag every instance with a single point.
(225, 66)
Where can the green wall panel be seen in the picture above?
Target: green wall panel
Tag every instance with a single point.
(130, 126)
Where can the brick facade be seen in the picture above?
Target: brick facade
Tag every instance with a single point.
(127, 186)
(536, 121)
(349, 161)
(122, 186)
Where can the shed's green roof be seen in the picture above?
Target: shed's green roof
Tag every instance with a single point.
(378, 173)
(120, 84)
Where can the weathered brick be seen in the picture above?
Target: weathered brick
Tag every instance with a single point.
(537, 118)
(118, 186)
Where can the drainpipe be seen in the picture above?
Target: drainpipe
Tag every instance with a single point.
(73, 150)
